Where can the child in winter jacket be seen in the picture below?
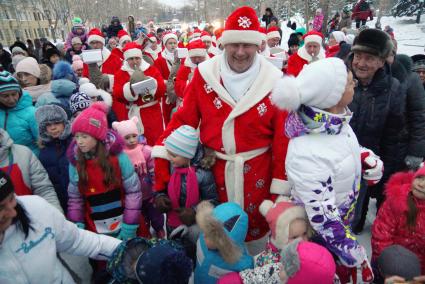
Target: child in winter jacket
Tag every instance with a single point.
(221, 247)
(302, 262)
(189, 182)
(104, 190)
(287, 222)
(55, 137)
(401, 219)
(140, 157)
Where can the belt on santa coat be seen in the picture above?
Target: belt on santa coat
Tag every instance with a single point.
(134, 110)
(234, 172)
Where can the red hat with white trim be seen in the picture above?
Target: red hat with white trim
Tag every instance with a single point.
(123, 36)
(95, 35)
(205, 36)
(197, 33)
(218, 33)
(242, 27)
(273, 32)
(152, 37)
(313, 36)
(263, 33)
(132, 49)
(168, 36)
(197, 48)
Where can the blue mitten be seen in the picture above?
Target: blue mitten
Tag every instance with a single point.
(80, 225)
(128, 231)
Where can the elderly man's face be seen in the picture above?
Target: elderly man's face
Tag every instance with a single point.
(272, 42)
(197, 59)
(313, 48)
(240, 56)
(96, 44)
(365, 65)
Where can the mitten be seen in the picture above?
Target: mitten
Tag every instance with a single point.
(187, 216)
(372, 167)
(127, 231)
(412, 162)
(367, 274)
(163, 203)
(80, 225)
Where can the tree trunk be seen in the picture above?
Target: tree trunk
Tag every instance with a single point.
(325, 11)
(418, 17)
(306, 14)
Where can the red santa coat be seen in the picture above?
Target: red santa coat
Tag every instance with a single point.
(110, 64)
(182, 80)
(249, 134)
(126, 104)
(332, 50)
(164, 68)
(295, 65)
(390, 226)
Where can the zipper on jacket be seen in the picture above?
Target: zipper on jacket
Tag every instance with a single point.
(5, 120)
(373, 108)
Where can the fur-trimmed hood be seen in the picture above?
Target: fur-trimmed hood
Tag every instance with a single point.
(114, 145)
(397, 190)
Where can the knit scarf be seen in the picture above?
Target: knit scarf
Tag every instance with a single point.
(174, 190)
(237, 84)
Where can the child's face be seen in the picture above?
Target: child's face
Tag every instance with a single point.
(55, 130)
(131, 140)
(85, 142)
(418, 187)
(298, 229)
(178, 161)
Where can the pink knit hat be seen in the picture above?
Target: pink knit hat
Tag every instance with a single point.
(92, 121)
(77, 63)
(126, 127)
(309, 263)
(279, 215)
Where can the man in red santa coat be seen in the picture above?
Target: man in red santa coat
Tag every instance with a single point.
(165, 62)
(228, 99)
(197, 54)
(311, 51)
(208, 41)
(127, 103)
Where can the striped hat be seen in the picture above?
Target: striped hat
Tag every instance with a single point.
(8, 82)
(183, 141)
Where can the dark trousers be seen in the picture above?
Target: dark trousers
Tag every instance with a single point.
(152, 216)
(358, 23)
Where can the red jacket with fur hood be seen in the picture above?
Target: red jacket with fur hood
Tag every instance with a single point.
(390, 226)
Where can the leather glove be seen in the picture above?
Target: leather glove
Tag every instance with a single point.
(412, 162)
(128, 231)
(163, 203)
(80, 225)
(187, 216)
(372, 167)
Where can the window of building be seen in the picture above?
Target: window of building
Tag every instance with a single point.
(35, 33)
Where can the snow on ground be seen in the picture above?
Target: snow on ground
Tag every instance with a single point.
(409, 35)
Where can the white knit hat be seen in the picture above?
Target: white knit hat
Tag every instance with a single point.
(28, 65)
(339, 36)
(320, 84)
(183, 141)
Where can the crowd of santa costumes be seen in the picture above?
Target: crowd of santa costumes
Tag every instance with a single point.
(211, 174)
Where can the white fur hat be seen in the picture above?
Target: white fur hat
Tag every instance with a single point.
(320, 84)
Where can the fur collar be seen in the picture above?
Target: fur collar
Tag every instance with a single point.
(143, 67)
(397, 190)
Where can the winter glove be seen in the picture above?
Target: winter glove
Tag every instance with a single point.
(367, 274)
(128, 231)
(163, 203)
(187, 216)
(80, 225)
(412, 162)
(372, 167)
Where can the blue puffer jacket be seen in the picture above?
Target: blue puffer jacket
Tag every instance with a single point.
(54, 159)
(20, 122)
(210, 265)
(61, 91)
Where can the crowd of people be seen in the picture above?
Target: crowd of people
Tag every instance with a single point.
(193, 157)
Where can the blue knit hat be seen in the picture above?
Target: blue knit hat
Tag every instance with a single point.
(183, 141)
(8, 82)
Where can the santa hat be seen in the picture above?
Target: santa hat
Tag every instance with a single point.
(92, 121)
(123, 36)
(313, 36)
(77, 63)
(218, 33)
(197, 48)
(273, 32)
(205, 36)
(263, 33)
(95, 35)
(126, 127)
(197, 33)
(152, 37)
(279, 216)
(168, 36)
(132, 49)
(320, 84)
(242, 27)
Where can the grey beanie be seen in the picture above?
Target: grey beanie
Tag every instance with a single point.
(49, 114)
(397, 260)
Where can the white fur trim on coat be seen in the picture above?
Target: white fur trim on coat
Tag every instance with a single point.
(128, 95)
(159, 152)
(280, 186)
(236, 36)
(106, 97)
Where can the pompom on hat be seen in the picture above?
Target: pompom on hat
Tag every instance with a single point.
(126, 127)
(273, 32)
(95, 35)
(320, 84)
(92, 121)
(168, 36)
(77, 63)
(123, 36)
(132, 49)
(242, 27)
(197, 48)
(29, 65)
